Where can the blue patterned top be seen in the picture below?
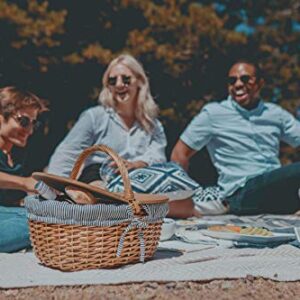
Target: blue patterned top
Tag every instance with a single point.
(242, 143)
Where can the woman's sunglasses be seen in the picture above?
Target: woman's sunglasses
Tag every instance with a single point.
(26, 122)
(244, 79)
(112, 81)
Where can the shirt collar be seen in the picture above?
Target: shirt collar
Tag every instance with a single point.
(117, 119)
(255, 111)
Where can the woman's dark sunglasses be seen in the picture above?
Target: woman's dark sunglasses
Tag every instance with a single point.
(112, 81)
(26, 122)
(244, 79)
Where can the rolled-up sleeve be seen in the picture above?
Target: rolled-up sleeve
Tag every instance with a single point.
(80, 137)
(155, 152)
(290, 129)
(199, 132)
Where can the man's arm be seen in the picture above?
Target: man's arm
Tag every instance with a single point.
(14, 182)
(182, 153)
(197, 135)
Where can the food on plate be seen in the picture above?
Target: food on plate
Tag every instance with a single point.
(230, 228)
(242, 230)
(187, 222)
(256, 231)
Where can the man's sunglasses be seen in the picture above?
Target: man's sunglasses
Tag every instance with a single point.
(26, 122)
(112, 81)
(244, 79)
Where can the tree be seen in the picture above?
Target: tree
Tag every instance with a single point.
(60, 49)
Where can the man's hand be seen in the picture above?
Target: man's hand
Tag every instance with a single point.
(28, 184)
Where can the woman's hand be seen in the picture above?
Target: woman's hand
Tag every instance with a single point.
(130, 165)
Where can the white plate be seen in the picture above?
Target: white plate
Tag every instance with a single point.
(256, 239)
(199, 222)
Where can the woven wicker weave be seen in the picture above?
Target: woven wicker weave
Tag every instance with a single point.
(76, 247)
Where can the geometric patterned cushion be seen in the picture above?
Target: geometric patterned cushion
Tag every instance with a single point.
(208, 201)
(207, 194)
(157, 178)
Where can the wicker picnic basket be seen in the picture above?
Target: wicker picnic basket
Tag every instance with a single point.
(74, 237)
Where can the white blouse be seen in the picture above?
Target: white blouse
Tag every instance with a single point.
(99, 125)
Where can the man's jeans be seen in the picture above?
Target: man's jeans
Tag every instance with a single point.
(275, 192)
(14, 234)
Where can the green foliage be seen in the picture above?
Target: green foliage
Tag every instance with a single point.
(59, 49)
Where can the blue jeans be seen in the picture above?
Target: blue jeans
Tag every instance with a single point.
(14, 231)
(274, 192)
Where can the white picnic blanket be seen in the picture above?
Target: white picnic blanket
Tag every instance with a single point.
(175, 261)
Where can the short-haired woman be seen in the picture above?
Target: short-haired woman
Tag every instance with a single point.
(19, 111)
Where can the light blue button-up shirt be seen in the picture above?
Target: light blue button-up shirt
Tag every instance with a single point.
(242, 143)
(99, 125)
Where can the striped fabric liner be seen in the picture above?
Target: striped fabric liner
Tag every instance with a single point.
(55, 212)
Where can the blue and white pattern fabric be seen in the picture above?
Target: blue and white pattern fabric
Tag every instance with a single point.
(208, 201)
(166, 178)
(156, 179)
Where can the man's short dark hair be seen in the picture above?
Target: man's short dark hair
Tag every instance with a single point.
(257, 68)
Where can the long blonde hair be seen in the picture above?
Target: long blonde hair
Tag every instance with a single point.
(147, 110)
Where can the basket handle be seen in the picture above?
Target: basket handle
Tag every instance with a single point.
(128, 195)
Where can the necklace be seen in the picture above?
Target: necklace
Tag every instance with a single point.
(7, 153)
(9, 158)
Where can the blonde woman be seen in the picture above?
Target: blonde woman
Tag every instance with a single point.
(126, 120)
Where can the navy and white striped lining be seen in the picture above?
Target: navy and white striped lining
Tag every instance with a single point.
(102, 215)
(55, 212)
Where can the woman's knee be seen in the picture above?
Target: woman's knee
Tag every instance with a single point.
(182, 209)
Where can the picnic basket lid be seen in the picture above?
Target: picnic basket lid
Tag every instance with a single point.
(134, 199)
(59, 183)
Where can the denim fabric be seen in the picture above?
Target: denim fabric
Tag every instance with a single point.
(274, 192)
(14, 234)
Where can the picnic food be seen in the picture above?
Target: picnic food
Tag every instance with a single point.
(80, 196)
(187, 223)
(256, 231)
(230, 228)
(242, 230)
